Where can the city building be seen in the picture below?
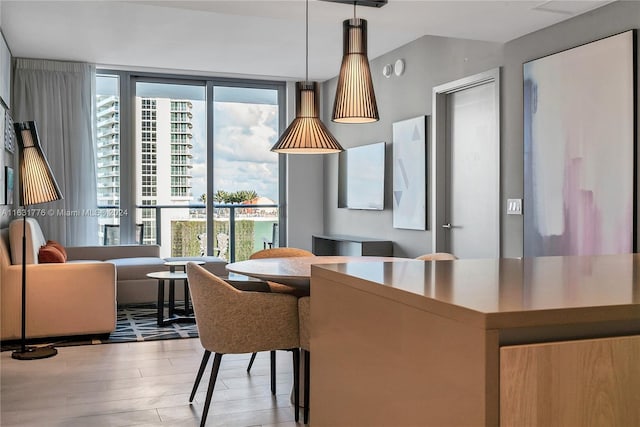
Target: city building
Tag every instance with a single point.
(163, 139)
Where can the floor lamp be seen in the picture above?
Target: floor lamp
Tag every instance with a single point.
(37, 185)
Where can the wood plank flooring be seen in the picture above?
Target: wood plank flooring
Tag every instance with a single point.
(141, 384)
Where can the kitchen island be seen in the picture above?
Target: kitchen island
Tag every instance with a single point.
(533, 341)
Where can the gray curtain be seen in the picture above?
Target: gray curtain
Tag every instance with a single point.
(60, 98)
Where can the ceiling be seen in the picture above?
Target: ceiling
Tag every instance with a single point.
(260, 38)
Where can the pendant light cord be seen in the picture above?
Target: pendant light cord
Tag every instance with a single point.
(354, 11)
(306, 71)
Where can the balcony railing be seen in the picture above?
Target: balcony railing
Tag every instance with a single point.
(228, 219)
(105, 132)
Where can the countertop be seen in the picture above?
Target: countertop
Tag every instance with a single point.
(508, 292)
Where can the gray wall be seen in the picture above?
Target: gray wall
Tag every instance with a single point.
(606, 21)
(431, 61)
(304, 198)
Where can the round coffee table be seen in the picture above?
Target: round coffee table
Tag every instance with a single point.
(181, 263)
(173, 265)
(172, 275)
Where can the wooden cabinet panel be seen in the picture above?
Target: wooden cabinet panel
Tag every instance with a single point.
(571, 383)
(380, 363)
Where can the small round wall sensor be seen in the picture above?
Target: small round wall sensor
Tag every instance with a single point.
(399, 67)
(387, 70)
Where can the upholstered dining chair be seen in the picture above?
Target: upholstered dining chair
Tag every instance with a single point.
(231, 321)
(280, 253)
(437, 256)
(278, 288)
(304, 312)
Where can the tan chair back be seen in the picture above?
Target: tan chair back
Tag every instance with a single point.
(304, 315)
(231, 321)
(437, 256)
(280, 253)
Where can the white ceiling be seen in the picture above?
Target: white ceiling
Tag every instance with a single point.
(263, 38)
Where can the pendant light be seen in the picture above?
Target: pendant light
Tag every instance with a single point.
(355, 100)
(307, 134)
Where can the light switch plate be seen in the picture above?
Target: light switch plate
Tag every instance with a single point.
(514, 206)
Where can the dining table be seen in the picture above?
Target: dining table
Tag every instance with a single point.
(295, 271)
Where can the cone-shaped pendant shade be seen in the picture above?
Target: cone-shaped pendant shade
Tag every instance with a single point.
(355, 99)
(307, 134)
(37, 184)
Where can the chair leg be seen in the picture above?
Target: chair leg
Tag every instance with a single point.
(296, 383)
(253, 357)
(307, 371)
(212, 382)
(273, 372)
(203, 364)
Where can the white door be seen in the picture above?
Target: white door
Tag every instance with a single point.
(468, 182)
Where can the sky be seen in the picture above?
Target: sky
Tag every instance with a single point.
(243, 136)
(245, 128)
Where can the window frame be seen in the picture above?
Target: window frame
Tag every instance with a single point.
(127, 83)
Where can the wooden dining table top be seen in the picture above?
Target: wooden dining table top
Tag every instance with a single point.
(295, 271)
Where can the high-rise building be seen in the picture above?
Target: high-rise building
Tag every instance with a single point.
(108, 150)
(163, 143)
(163, 137)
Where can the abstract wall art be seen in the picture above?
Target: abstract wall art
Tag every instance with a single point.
(410, 174)
(8, 182)
(8, 134)
(579, 140)
(5, 72)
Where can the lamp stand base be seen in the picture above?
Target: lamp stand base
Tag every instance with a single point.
(32, 353)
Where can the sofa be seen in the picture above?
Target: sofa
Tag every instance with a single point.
(79, 296)
(133, 262)
(75, 298)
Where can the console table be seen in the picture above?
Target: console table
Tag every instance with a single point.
(350, 246)
(485, 342)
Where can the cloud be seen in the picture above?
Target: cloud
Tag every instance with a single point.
(232, 175)
(245, 131)
(243, 136)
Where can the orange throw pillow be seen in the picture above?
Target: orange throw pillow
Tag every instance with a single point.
(49, 254)
(59, 247)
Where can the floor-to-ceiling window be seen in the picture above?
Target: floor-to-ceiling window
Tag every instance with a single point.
(245, 172)
(108, 155)
(197, 176)
(170, 140)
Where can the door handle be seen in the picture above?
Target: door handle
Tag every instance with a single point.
(447, 226)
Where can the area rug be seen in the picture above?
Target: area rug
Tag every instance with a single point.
(135, 322)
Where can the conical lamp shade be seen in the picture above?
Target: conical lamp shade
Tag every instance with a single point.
(37, 183)
(355, 99)
(307, 134)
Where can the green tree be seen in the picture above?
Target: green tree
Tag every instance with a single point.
(246, 195)
(221, 196)
(240, 196)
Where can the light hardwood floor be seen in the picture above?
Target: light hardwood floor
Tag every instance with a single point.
(141, 384)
